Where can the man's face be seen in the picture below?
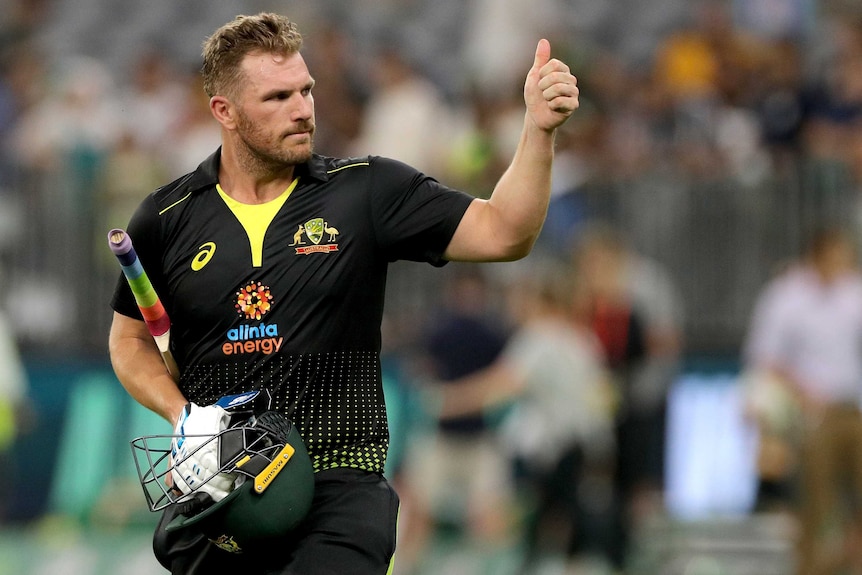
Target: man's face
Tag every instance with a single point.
(275, 108)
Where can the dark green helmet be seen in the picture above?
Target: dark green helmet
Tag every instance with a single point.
(272, 492)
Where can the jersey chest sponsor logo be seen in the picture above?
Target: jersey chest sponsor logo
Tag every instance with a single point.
(320, 233)
(253, 302)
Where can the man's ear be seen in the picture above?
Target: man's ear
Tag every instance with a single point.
(223, 110)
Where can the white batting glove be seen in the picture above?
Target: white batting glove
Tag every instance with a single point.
(198, 469)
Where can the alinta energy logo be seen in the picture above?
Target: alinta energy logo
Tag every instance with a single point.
(253, 301)
(315, 230)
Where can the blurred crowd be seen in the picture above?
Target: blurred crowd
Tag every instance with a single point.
(539, 396)
(715, 133)
(714, 137)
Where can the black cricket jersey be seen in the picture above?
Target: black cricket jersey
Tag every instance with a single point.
(288, 296)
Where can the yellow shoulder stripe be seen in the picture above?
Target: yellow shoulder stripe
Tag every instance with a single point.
(179, 201)
(356, 165)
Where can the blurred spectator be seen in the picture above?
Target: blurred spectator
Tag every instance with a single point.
(81, 118)
(559, 431)
(474, 161)
(496, 35)
(577, 161)
(406, 116)
(855, 162)
(195, 134)
(478, 151)
(21, 71)
(706, 70)
(635, 311)
(152, 102)
(777, 19)
(806, 334)
(687, 62)
(455, 474)
(772, 408)
(833, 101)
(9, 110)
(60, 144)
(13, 410)
(21, 18)
(779, 101)
(128, 174)
(339, 95)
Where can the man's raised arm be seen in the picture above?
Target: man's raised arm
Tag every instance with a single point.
(505, 226)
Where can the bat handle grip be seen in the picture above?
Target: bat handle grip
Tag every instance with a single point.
(119, 241)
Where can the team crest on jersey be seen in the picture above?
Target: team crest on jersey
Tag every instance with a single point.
(314, 230)
(321, 235)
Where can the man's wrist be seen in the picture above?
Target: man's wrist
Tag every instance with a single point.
(175, 413)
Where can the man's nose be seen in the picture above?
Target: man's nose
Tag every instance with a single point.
(304, 108)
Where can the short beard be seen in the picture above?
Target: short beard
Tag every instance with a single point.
(258, 160)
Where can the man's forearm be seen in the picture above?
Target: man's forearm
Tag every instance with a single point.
(139, 367)
(522, 194)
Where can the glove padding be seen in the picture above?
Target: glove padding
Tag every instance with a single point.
(197, 469)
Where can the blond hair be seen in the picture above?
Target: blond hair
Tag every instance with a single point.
(224, 51)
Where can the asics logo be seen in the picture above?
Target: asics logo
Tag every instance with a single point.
(205, 254)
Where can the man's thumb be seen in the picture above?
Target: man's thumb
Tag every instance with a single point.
(543, 53)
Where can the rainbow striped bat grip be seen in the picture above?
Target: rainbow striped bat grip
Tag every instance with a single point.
(155, 316)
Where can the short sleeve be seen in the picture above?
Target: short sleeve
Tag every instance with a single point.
(414, 215)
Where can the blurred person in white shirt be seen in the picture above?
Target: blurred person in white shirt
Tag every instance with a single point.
(806, 337)
(406, 116)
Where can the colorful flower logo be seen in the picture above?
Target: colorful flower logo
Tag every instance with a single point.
(253, 301)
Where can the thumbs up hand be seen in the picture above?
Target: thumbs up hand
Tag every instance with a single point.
(550, 91)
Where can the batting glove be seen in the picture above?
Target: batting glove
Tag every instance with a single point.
(194, 449)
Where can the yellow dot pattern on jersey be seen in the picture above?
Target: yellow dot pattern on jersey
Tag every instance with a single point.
(341, 415)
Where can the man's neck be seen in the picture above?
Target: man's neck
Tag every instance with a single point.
(249, 181)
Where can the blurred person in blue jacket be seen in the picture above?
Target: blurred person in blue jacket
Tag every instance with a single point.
(455, 473)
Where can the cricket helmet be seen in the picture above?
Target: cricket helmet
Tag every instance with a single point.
(273, 486)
